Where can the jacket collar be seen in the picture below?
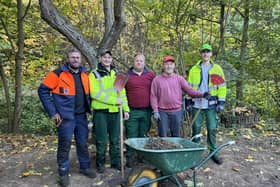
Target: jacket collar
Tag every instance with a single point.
(130, 71)
(100, 67)
(66, 68)
(200, 62)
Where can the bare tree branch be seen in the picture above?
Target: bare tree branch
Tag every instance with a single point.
(26, 10)
(110, 40)
(237, 10)
(107, 9)
(8, 34)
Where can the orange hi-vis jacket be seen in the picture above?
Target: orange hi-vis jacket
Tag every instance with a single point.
(57, 92)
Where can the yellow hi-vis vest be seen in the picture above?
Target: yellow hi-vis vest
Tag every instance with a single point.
(218, 92)
(103, 94)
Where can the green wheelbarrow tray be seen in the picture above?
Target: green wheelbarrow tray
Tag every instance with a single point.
(170, 161)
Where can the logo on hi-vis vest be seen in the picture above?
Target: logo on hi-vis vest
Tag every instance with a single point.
(64, 91)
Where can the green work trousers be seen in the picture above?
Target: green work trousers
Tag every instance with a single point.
(211, 125)
(107, 125)
(137, 125)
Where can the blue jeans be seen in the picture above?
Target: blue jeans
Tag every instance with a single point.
(78, 127)
(170, 120)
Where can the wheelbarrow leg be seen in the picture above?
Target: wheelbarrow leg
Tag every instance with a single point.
(208, 157)
(213, 153)
(176, 180)
(194, 177)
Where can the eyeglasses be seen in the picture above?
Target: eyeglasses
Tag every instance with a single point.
(205, 51)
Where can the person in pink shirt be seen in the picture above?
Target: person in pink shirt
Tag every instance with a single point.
(166, 98)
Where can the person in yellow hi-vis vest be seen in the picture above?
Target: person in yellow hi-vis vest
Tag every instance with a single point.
(201, 78)
(106, 118)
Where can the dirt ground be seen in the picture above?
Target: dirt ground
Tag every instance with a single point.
(253, 161)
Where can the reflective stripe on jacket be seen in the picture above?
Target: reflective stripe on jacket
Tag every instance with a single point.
(57, 92)
(218, 92)
(102, 92)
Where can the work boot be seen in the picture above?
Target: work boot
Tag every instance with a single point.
(140, 159)
(100, 169)
(129, 162)
(217, 160)
(64, 180)
(116, 166)
(90, 173)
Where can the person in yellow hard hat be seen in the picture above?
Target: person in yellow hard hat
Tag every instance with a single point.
(199, 80)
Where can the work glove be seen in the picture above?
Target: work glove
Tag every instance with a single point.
(189, 108)
(206, 95)
(188, 105)
(157, 116)
(220, 108)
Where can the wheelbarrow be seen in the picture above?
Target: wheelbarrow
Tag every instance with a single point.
(169, 161)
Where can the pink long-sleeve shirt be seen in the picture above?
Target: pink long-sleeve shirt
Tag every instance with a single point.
(166, 92)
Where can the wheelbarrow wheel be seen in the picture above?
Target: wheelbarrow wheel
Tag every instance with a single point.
(142, 175)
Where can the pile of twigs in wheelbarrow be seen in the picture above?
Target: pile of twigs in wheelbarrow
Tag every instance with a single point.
(161, 144)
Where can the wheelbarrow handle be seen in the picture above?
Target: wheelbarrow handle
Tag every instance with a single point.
(196, 136)
(213, 153)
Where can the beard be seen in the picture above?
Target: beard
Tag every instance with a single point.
(74, 67)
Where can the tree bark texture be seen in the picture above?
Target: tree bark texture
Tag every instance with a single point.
(18, 60)
(243, 51)
(7, 95)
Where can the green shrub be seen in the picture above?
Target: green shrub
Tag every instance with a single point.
(34, 119)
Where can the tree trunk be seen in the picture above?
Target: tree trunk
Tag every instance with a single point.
(7, 95)
(181, 49)
(222, 29)
(51, 15)
(18, 60)
(243, 51)
(107, 9)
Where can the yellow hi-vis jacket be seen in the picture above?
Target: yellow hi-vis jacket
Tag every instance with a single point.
(102, 91)
(218, 92)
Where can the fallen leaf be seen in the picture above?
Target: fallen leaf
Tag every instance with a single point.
(25, 174)
(25, 149)
(47, 168)
(206, 170)
(30, 165)
(99, 183)
(236, 168)
(259, 127)
(248, 137)
(235, 149)
(231, 133)
(252, 149)
(189, 183)
(249, 158)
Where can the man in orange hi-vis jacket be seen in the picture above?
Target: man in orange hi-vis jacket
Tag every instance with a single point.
(64, 94)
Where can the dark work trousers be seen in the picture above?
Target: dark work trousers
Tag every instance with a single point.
(137, 125)
(170, 120)
(211, 125)
(105, 124)
(78, 127)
